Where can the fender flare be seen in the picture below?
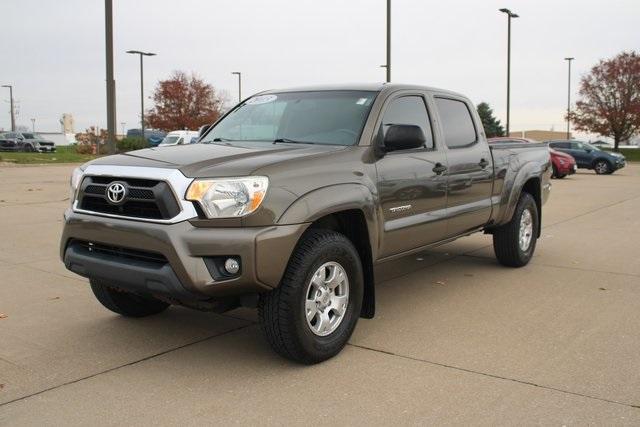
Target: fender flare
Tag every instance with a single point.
(526, 172)
(333, 199)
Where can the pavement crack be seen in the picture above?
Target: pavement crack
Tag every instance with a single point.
(135, 362)
(499, 377)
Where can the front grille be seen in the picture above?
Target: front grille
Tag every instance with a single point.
(46, 144)
(120, 252)
(146, 198)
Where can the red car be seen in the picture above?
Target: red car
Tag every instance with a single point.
(563, 164)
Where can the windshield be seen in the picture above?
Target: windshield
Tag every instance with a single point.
(30, 136)
(323, 117)
(169, 140)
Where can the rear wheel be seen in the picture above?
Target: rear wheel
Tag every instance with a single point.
(602, 167)
(560, 176)
(515, 242)
(125, 303)
(29, 148)
(311, 315)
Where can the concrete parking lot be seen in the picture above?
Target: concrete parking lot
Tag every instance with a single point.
(457, 339)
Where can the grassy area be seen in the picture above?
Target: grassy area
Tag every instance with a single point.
(66, 154)
(631, 154)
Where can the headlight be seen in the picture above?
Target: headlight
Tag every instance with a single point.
(76, 177)
(228, 197)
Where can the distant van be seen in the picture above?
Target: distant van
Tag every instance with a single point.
(179, 137)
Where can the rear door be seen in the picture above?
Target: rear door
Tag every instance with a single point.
(470, 173)
(580, 153)
(411, 183)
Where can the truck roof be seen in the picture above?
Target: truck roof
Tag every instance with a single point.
(373, 87)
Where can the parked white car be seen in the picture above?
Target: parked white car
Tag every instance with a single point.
(179, 137)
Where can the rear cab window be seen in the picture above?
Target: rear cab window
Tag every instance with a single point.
(457, 123)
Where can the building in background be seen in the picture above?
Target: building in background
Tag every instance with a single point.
(540, 135)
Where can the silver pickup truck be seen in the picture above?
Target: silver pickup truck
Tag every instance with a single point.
(290, 199)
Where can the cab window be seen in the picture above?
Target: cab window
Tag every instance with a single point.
(409, 110)
(457, 124)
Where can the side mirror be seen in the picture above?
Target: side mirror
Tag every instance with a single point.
(203, 130)
(403, 137)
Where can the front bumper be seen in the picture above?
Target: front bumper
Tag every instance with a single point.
(264, 253)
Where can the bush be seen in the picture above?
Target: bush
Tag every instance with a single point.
(130, 144)
(84, 148)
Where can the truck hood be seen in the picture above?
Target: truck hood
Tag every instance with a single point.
(218, 160)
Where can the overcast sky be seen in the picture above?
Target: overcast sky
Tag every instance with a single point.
(53, 51)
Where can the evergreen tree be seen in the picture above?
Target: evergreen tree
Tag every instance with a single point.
(492, 126)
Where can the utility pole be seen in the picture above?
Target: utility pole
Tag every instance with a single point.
(123, 124)
(509, 16)
(137, 52)
(33, 125)
(569, 98)
(388, 64)
(111, 83)
(239, 74)
(13, 111)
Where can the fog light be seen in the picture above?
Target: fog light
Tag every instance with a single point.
(232, 266)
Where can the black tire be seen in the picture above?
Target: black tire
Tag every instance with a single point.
(29, 148)
(555, 171)
(561, 176)
(602, 167)
(125, 303)
(282, 310)
(506, 239)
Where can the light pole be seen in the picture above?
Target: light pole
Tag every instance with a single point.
(13, 115)
(509, 16)
(111, 83)
(123, 124)
(33, 125)
(137, 52)
(388, 64)
(239, 74)
(569, 97)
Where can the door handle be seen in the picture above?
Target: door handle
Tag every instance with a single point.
(483, 163)
(439, 168)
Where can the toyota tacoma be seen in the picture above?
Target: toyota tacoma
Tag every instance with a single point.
(289, 201)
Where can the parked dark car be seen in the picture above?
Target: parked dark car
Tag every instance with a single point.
(589, 156)
(26, 141)
(154, 137)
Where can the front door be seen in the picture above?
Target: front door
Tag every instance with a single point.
(470, 174)
(411, 183)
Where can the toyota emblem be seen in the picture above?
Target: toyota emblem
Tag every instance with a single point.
(116, 193)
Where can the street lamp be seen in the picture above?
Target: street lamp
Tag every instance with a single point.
(569, 96)
(33, 125)
(239, 74)
(13, 115)
(123, 124)
(111, 83)
(388, 64)
(137, 52)
(509, 16)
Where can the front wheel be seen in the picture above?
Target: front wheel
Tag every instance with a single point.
(311, 315)
(602, 167)
(515, 242)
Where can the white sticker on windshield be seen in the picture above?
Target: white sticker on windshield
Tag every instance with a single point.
(362, 101)
(262, 99)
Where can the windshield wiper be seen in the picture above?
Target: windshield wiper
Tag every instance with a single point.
(218, 139)
(291, 141)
